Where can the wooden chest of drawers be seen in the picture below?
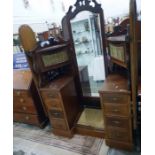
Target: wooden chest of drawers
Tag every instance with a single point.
(27, 106)
(115, 102)
(61, 104)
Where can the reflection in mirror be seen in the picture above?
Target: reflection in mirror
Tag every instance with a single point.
(86, 32)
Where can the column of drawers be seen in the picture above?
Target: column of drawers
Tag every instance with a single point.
(61, 103)
(117, 117)
(27, 107)
(55, 110)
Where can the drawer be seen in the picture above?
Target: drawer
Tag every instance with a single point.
(59, 124)
(117, 122)
(116, 109)
(26, 106)
(120, 135)
(21, 93)
(115, 98)
(50, 95)
(52, 103)
(26, 118)
(55, 114)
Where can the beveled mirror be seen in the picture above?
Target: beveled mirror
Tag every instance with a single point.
(83, 26)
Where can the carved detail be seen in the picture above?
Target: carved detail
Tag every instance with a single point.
(80, 4)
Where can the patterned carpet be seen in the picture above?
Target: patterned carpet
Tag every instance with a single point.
(23, 133)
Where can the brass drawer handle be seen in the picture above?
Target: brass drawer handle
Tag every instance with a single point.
(115, 110)
(21, 100)
(57, 114)
(18, 93)
(51, 95)
(115, 99)
(116, 122)
(27, 117)
(24, 108)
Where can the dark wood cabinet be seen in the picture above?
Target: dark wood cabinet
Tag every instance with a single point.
(116, 106)
(27, 105)
(62, 105)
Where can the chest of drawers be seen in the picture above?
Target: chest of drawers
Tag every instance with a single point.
(27, 106)
(61, 103)
(115, 102)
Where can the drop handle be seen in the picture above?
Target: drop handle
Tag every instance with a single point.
(115, 110)
(27, 117)
(21, 100)
(18, 93)
(116, 122)
(24, 108)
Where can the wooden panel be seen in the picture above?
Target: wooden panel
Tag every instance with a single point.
(116, 109)
(117, 122)
(26, 118)
(22, 79)
(118, 134)
(59, 124)
(115, 98)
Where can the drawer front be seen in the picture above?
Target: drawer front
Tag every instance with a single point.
(115, 98)
(52, 103)
(120, 135)
(58, 124)
(21, 93)
(50, 95)
(116, 109)
(26, 118)
(117, 122)
(25, 105)
(56, 114)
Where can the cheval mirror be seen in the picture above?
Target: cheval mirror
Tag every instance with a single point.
(83, 27)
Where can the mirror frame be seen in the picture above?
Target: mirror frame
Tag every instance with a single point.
(83, 5)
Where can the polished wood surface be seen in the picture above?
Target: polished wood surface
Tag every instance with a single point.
(22, 79)
(115, 102)
(134, 58)
(27, 106)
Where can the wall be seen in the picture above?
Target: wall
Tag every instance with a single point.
(40, 11)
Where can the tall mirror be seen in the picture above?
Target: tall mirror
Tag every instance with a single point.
(85, 22)
(86, 32)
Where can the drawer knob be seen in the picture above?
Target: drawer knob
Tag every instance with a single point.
(114, 99)
(21, 100)
(18, 93)
(115, 110)
(24, 108)
(116, 122)
(27, 117)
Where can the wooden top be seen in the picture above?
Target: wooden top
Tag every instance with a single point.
(121, 38)
(58, 83)
(50, 48)
(22, 79)
(115, 83)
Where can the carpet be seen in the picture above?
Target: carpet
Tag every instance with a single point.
(85, 145)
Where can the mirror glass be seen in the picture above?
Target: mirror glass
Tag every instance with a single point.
(86, 34)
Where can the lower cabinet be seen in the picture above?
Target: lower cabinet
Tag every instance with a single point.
(62, 105)
(115, 103)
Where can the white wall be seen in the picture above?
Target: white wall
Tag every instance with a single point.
(51, 11)
(38, 12)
